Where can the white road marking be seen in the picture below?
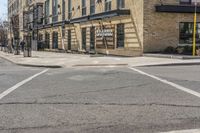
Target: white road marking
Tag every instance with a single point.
(179, 87)
(8, 91)
(184, 131)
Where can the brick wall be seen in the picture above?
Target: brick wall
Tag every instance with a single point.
(162, 29)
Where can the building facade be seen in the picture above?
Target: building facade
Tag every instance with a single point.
(117, 27)
(92, 26)
(169, 23)
(21, 20)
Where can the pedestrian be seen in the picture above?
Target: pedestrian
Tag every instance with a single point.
(22, 44)
(1, 47)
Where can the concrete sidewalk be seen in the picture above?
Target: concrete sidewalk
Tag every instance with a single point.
(58, 60)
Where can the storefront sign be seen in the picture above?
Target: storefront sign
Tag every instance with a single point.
(105, 37)
(104, 32)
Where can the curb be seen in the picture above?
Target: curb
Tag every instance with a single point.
(31, 65)
(45, 66)
(172, 56)
(172, 64)
(96, 65)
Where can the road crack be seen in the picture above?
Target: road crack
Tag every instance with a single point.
(98, 104)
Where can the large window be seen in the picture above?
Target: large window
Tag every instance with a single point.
(120, 36)
(47, 40)
(83, 38)
(55, 40)
(92, 6)
(84, 9)
(69, 9)
(120, 4)
(108, 5)
(92, 38)
(55, 10)
(69, 40)
(46, 11)
(63, 9)
(186, 33)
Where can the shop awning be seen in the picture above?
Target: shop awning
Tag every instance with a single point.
(177, 8)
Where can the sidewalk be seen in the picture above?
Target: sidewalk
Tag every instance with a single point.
(58, 60)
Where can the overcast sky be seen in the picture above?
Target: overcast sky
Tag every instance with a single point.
(3, 9)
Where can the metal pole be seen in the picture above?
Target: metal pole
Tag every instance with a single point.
(194, 33)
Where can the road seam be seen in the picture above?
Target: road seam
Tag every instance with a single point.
(8, 91)
(179, 87)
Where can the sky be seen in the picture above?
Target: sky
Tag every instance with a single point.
(3, 9)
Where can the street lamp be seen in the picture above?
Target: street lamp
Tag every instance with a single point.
(194, 33)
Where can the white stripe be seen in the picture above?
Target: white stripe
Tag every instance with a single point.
(8, 91)
(179, 87)
(185, 131)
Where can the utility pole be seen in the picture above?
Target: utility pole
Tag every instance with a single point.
(194, 32)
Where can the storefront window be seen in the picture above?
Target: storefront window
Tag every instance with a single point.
(55, 40)
(47, 40)
(69, 40)
(92, 38)
(186, 33)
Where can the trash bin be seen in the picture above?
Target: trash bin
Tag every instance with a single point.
(40, 46)
(27, 52)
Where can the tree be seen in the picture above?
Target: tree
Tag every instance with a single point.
(3, 33)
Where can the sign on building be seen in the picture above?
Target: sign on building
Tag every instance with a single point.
(105, 37)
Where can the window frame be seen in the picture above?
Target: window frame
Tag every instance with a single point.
(108, 5)
(120, 4)
(84, 8)
(92, 6)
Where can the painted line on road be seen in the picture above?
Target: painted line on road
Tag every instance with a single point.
(179, 87)
(8, 91)
(184, 131)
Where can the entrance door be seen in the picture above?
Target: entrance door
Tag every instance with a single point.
(92, 38)
(55, 40)
(69, 39)
(84, 39)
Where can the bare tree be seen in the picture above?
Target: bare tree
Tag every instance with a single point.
(3, 34)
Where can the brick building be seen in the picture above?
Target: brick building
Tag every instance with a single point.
(21, 18)
(102, 26)
(117, 27)
(169, 23)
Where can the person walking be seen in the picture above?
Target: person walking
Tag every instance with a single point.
(22, 44)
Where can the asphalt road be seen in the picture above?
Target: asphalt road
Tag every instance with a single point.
(98, 100)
